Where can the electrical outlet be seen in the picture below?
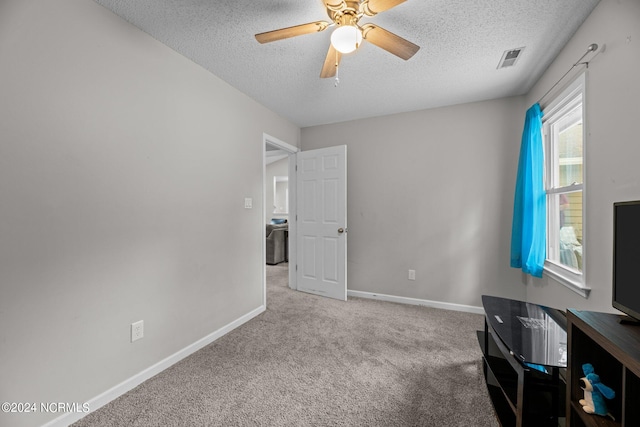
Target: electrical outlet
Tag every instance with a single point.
(412, 275)
(137, 330)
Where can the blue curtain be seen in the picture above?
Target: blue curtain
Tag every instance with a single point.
(528, 232)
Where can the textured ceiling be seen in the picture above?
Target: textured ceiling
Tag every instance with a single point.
(461, 43)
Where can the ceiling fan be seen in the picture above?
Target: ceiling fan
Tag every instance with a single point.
(348, 35)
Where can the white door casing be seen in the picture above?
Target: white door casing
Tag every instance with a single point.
(322, 222)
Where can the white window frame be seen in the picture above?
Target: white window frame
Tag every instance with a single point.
(565, 102)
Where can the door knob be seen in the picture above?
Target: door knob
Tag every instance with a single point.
(340, 230)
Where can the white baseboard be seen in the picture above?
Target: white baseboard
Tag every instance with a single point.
(416, 301)
(120, 389)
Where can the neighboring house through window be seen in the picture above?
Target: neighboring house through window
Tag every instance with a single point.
(564, 136)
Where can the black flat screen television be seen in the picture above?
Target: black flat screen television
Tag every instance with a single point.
(626, 258)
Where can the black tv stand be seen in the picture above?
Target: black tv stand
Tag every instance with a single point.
(524, 349)
(628, 320)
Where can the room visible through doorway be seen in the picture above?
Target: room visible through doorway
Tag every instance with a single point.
(278, 206)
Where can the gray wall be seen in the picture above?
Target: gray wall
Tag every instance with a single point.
(116, 202)
(432, 191)
(612, 148)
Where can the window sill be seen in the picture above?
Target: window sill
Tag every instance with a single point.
(566, 278)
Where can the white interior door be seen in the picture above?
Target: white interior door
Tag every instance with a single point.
(322, 222)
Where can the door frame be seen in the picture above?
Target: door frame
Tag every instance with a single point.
(292, 150)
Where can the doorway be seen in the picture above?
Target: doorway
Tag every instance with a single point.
(279, 191)
(317, 209)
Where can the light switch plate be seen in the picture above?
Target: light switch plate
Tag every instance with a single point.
(248, 203)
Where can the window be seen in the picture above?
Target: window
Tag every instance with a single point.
(563, 130)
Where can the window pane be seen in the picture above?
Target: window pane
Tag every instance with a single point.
(564, 142)
(569, 140)
(569, 249)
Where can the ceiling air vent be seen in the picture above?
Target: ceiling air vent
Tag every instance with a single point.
(510, 57)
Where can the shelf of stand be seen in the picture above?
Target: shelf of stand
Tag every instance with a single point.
(614, 351)
(502, 383)
(592, 420)
(504, 410)
(502, 377)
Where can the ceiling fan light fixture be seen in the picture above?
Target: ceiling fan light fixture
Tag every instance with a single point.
(347, 34)
(346, 38)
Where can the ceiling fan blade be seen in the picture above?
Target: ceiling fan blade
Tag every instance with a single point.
(297, 30)
(373, 7)
(330, 63)
(389, 41)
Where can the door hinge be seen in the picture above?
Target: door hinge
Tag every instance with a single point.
(296, 267)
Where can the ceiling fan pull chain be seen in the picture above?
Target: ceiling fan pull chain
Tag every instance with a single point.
(337, 71)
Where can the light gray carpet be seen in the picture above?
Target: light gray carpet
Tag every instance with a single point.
(312, 361)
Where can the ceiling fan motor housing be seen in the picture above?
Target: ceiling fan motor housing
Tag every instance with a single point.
(346, 13)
